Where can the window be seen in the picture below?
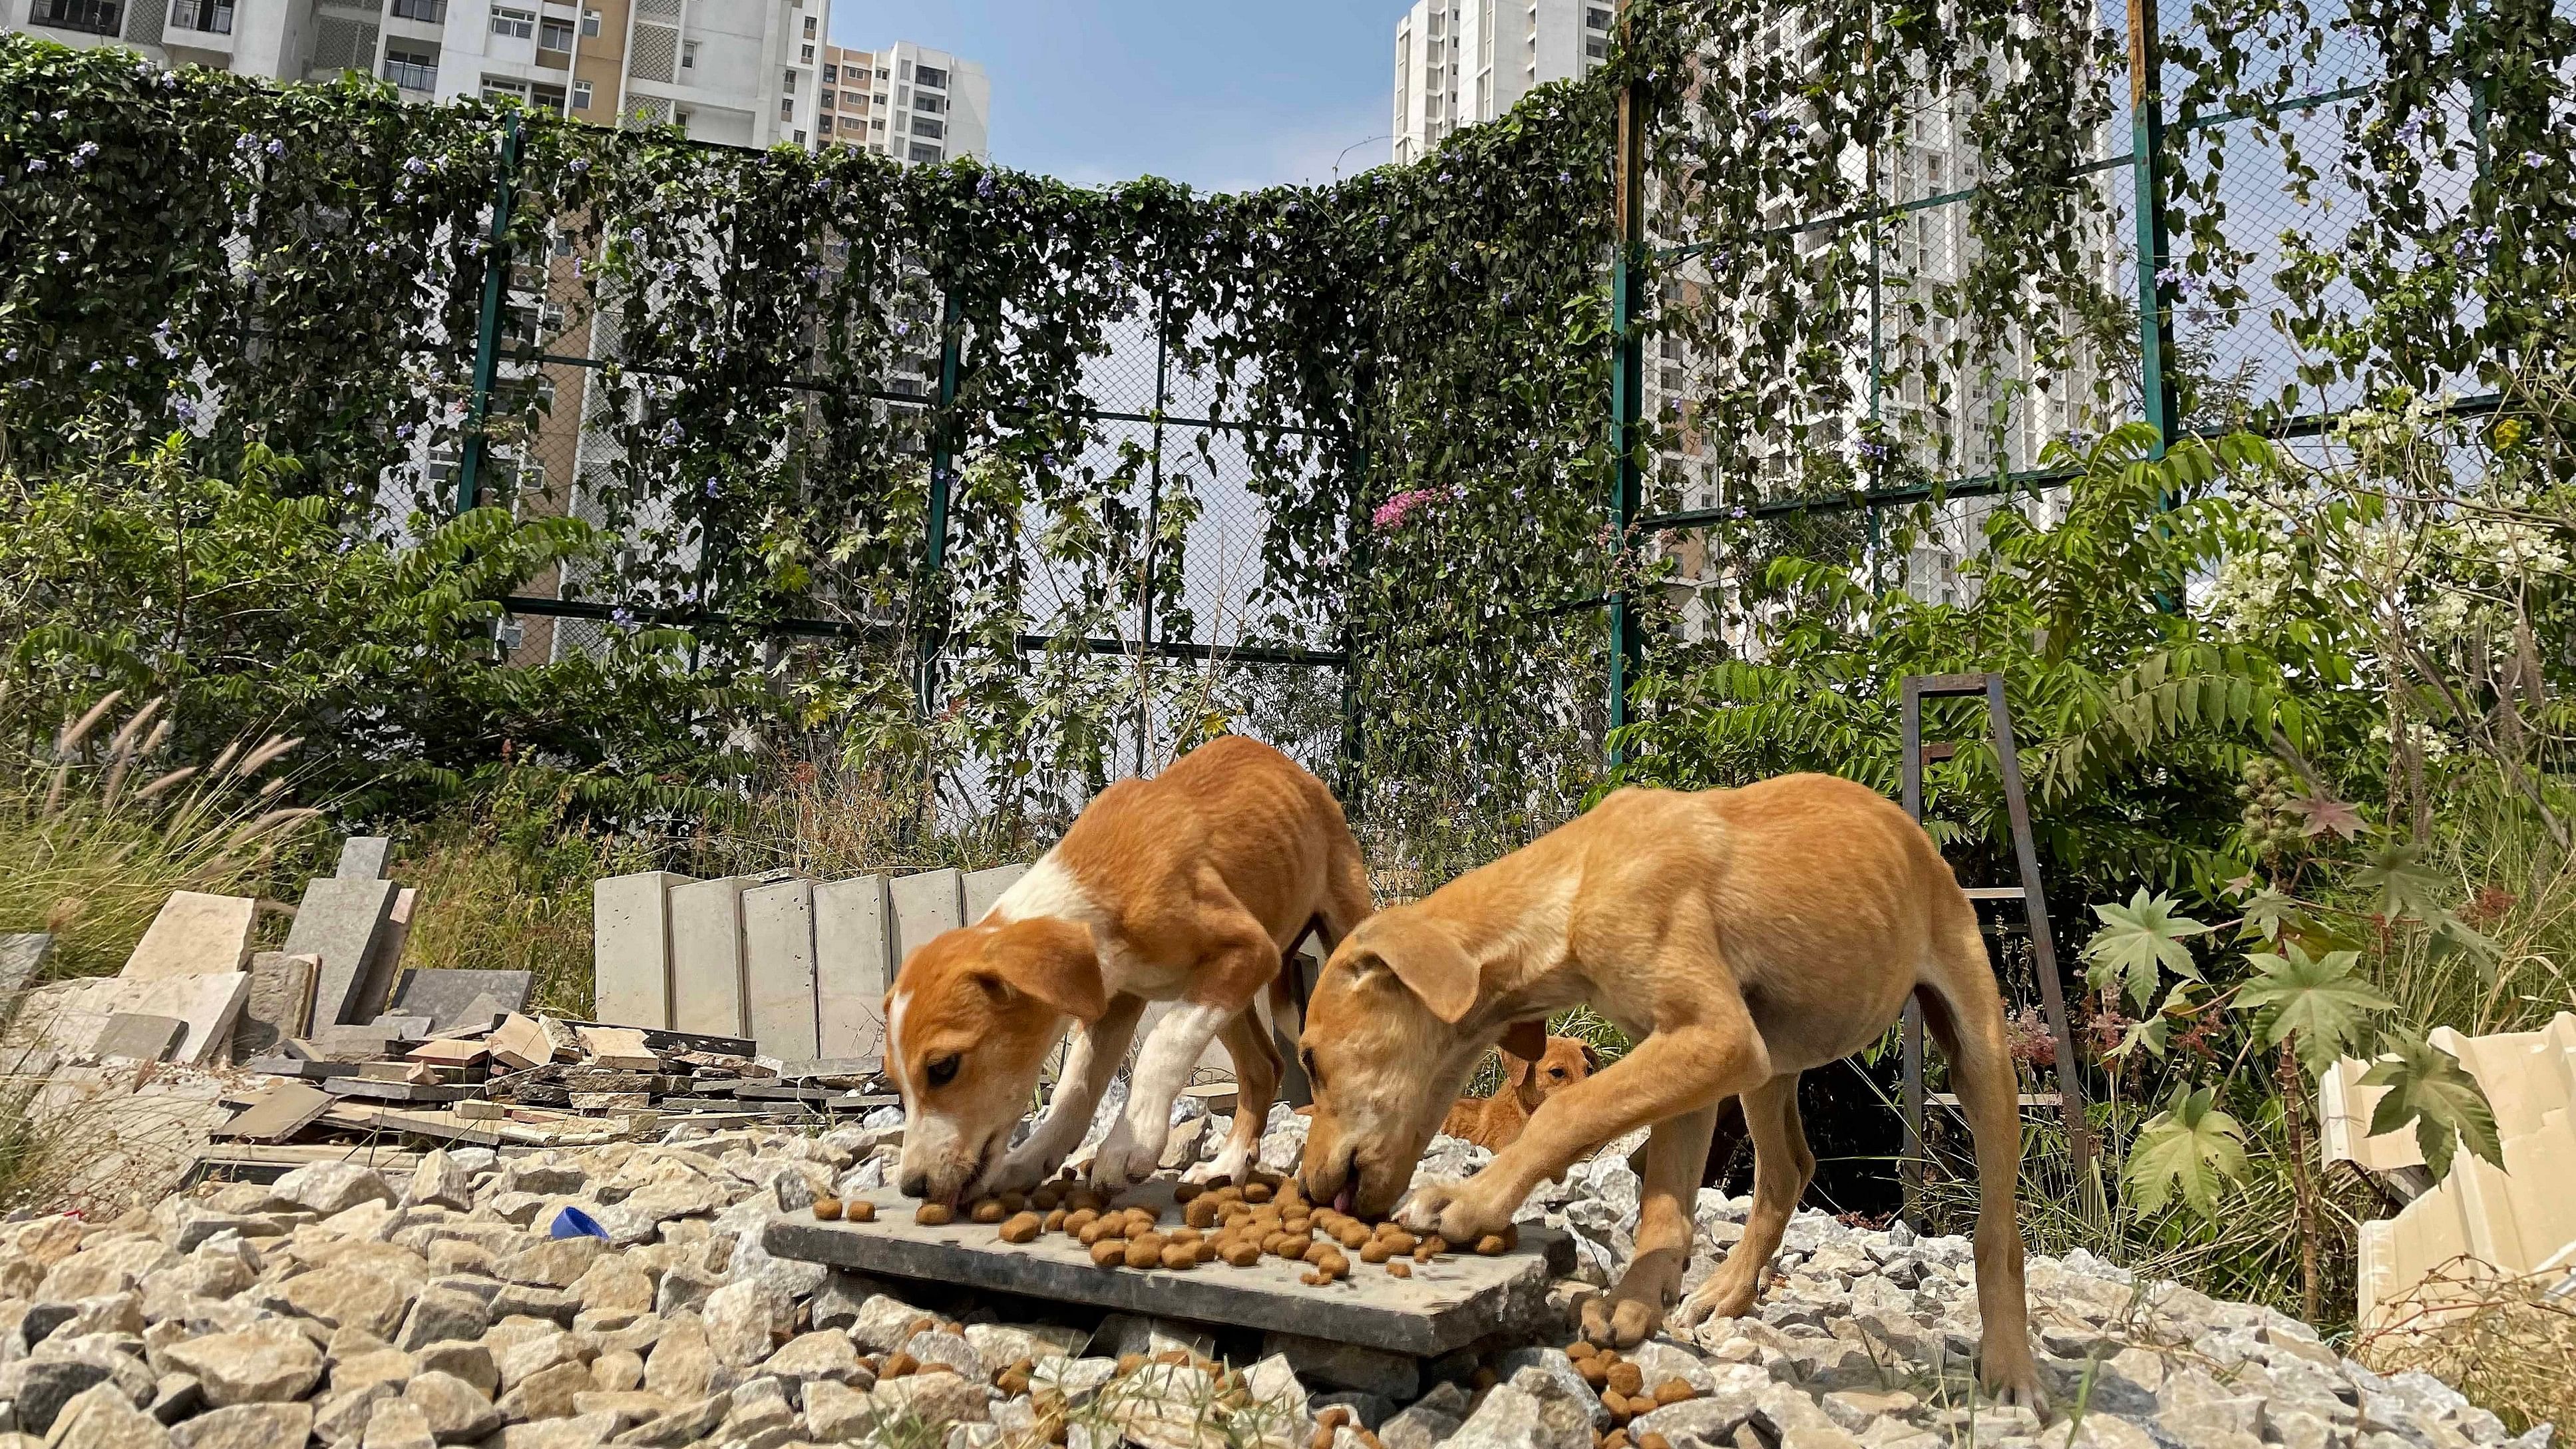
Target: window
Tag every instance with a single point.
(931, 76)
(413, 70)
(516, 24)
(581, 95)
(924, 126)
(932, 104)
(924, 153)
(433, 12)
(97, 17)
(688, 55)
(809, 27)
(800, 138)
(823, 124)
(547, 98)
(787, 109)
(553, 34)
(500, 87)
(559, 242)
(831, 75)
(829, 101)
(808, 56)
(789, 84)
(590, 22)
(1597, 19)
(1596, 47)
(212, 17)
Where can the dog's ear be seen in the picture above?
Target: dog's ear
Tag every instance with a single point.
(1053, 960)
(1422, 956)
(1516, 1069)
(1526, 1039)
(1591, 1058)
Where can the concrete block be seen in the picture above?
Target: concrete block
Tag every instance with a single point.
(778, 968)
(339, 922)
(706, 956)
(194, 934)
(362, 857)
(68, 1016)
(924, 905)
(136, 1037)
(22, 957)
(983, 887)
(853, 942)
(280, 1003)
(630, 921)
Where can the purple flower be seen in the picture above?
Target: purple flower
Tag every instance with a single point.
(416, 166)
(98, 367)
(2479, 239)
(621, 615)
(277, 148)
(35, 164)
(83, 154)
(11, 357)
(579, 165)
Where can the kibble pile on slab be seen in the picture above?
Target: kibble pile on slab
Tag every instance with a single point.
(350, 1309)
(1221, 1222)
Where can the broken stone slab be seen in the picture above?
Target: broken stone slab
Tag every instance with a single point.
(363, 857)
(384, 958)
(279, 1113)
(280, 1003)
(194, 934)
(1445, 1304)
(448, 998)
(340, 922)
(22, 955)
(67, 1017)
(138, 1037)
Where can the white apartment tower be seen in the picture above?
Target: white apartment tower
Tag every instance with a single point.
(906, 101)
(1458, 62)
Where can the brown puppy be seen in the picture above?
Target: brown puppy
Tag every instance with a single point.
(1741, 937)
(1184, 888)
(1495, 1122)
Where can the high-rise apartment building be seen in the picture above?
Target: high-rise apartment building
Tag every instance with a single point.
(906, 101)
(1458, 62)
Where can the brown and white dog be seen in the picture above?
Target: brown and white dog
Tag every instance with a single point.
(1740, 937)
(1495, 1122)
(1186, 888)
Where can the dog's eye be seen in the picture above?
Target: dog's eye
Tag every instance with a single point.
(1556, 1073)
(943, 1071)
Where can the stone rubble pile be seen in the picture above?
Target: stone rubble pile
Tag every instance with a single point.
(341, 1308)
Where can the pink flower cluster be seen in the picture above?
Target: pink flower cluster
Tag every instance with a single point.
(1393, 512)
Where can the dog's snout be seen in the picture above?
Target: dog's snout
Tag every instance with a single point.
(916, 1184)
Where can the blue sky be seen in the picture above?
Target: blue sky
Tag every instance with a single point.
(1222, 94)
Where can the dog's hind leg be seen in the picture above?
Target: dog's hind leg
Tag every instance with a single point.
(1966, 1015)
(1257, 1066)
(1782, 1168)
(1675, 1156)
(1088, 1065)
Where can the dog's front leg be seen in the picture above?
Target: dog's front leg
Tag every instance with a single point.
(1134, 1146)
(1098, 1047)
(1676, 1156)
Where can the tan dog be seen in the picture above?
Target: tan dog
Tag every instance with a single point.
(1495, 1122)
(1741, 937)
(1185, 888)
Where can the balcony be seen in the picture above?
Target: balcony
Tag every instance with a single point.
(411, 73)
(92, 17)
(206, 17)
(428, 12)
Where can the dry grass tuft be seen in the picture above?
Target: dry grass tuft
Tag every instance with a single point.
(2504, 1342)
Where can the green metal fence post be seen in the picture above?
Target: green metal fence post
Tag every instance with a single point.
(1356, 562)
(487, 331)
(1627, 393)
(943, 461)
(1153, 523)
(2147, 147)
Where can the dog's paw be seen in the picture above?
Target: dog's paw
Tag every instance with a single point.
(1713, 1299)
(1228, 1164)
(1454, 1211)
(1022, 1170)
(2011, 1378)
(1620, 1322)
(1124, 1159)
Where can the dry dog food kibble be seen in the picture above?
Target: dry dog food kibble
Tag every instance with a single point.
(934, 1214)
(858, 1210)
(1022, 1228)
(827, 1208)
(987, 1210)
(1399, 1269)
(1674, 1391)
(1109, 1252)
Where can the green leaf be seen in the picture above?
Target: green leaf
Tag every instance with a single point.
(2404, 884)
(2266, 913)
(2137, 939)
(2455, 937)
(2191, 1143)
(2428, 1087)
(2316, 1004)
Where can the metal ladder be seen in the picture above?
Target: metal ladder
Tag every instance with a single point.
(2033, 900)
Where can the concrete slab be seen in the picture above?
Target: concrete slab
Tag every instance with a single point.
(384, 959)
(68, 1017)
(630, 922)
(924, 905)
(448, 997)
(853, 927)
(278, 1113)
(362, 857)
(194, 934)
(706, 956)
(135, 1037)
(983, 887)
(778, 968)
(1444, 1305)
(280, 1004)
(339, 922)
